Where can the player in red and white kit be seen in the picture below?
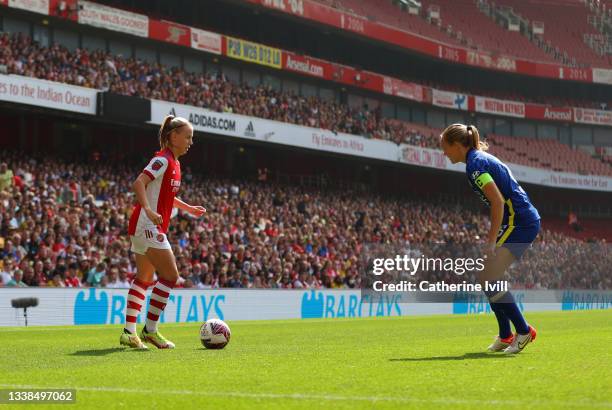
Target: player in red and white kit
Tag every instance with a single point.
(156, 189)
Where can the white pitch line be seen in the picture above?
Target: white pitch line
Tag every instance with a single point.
(327, 397)
(63, 327)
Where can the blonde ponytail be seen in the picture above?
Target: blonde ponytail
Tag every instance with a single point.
(466, 135)
(169, 124)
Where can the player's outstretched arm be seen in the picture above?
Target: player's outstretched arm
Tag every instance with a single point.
(196, 211)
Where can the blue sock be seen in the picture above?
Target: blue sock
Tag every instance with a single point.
(512, 311)
(502, 320)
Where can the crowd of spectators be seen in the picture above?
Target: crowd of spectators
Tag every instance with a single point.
(64, 224)
(561, 262)
(21, 55)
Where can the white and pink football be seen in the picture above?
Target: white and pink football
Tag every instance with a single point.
(215, 334)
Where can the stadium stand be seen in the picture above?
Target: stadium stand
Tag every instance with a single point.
(384, 12)
(63, 223)
(137, 78)
(482, 33)
(547, 154)
(466, 23)
(550, 154)
(566, 25)
(584, 229)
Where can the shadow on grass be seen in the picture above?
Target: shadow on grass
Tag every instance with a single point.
(104, 352)
(466, 356)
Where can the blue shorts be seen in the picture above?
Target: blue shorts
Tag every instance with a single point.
(518, 238)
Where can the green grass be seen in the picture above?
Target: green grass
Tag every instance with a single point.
(409, 362)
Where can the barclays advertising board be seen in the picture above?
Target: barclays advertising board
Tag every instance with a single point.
(89, 306)
(92, 306)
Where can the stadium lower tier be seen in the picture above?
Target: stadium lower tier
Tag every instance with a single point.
(64, 223)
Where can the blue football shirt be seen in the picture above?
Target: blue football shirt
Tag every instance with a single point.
(481, 168)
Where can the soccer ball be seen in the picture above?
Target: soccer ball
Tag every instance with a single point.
(215, 334)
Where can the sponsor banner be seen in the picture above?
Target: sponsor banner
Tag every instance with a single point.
(113, 19)
(602, 76)
(287, 6)
(433, 158)
(95, 306)
(427, 157)
(91, 306)
(500, 107)
(205, 41)
(471, 304)
(541, 176)
(357, 78)
(169, 32)
(253, 52)
(543, 112)
(403, 89)
(307, 65)
(35, 6)
(262, 130)
(486, 60)
(586, 300)
(449, 100)
(589, 116)
(48, 94)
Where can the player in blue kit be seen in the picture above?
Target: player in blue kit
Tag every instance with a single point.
(515, 223)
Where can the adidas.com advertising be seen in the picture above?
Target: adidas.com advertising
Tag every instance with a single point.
(93, 306)
(241, 126)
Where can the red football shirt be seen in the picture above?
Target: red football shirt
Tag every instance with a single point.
(165, 174)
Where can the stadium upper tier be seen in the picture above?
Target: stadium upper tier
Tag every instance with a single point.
(385, 12)
(461, 22)
(565, 26)
(152, 80)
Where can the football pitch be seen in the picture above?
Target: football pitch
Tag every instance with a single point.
(408, 362)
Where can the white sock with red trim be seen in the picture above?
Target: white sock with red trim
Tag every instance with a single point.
(157, 304)
(135, 300)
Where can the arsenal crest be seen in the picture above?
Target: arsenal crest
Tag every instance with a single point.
(157, 165)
